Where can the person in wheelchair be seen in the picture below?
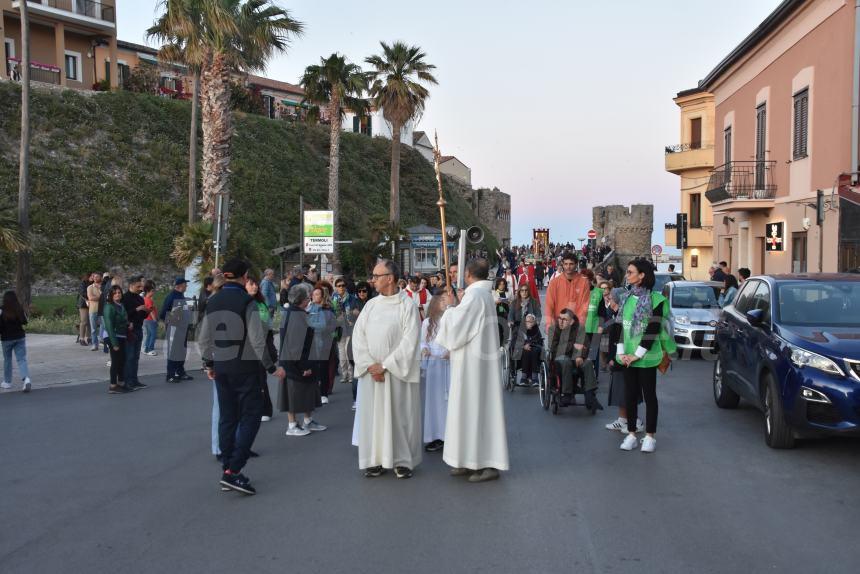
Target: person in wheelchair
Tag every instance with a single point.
(528, 350)
(568, 346)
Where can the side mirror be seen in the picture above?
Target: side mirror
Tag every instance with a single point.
(755, 317)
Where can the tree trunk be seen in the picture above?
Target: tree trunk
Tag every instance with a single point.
(333, 167)
(23, 271)
(217, 132)
(192, 150)
(394, 205)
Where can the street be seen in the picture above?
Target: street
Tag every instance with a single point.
(104, 483)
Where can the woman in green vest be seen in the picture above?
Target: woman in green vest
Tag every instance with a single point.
(644, 340)
(116, 326)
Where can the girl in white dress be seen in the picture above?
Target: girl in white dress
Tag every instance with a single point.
(436, 377)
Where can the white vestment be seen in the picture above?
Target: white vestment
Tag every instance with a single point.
(475, 435)
(388, 415)
(437, 381)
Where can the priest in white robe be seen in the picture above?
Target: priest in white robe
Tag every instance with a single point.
(386, 350)
(476, 443)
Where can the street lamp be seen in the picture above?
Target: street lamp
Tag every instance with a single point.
(581, 239)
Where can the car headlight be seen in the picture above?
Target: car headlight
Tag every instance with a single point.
(682, 320)
(803, 358)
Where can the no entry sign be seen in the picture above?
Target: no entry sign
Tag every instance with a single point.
(592, 234)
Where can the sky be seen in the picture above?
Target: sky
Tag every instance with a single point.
(563, 104)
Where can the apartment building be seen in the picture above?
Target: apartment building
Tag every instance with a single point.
(786, 131)
(693, 161)
(64, 35)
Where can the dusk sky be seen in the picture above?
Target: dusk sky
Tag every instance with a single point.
(562, 104)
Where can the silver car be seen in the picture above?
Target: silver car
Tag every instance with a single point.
(693, 312)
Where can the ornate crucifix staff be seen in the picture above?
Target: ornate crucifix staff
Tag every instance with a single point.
(437, 160)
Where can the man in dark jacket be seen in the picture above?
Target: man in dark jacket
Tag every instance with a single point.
(176, 322)
(568, 346)
(233, 347)
(135, 308)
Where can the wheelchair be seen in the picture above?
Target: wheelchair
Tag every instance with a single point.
(549, 388)
(510, 367)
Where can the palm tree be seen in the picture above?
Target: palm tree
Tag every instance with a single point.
(177, 30)
(23, 270)
(337, 85)
(397, 90)
(223, 37)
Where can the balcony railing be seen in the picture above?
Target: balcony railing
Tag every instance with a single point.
(678, 148)
(45, 73)
(742, 180)
(89, 8)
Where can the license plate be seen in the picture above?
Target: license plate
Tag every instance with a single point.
(709, 337)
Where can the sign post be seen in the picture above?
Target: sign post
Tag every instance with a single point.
(318, 232)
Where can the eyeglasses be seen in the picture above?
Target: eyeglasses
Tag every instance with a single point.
(339, 285)
(375, 276)
(362, 290)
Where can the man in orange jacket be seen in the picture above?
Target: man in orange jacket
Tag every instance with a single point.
(567, 290)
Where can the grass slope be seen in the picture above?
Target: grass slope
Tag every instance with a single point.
(109, 180)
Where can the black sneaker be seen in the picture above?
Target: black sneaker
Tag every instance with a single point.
(185, 377)
(403, 472)
(238, 482)
(118, 390)
(173, 380)
(435, 446)
(138, 386)
(374, 471)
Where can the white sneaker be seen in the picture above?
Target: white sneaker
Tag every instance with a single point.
(107, 364)
(265, 419)
(297, 431)
(324, 400)
(353, 405)
(649, 444)
(5, 385)
(630, 442)
(27, 385)
(151, 353)
(618, 424)
(313, 425)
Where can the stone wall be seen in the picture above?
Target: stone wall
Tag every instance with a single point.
(493, 208)
(627, 230)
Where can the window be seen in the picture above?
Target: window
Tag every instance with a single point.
(760, 144)
(744, 299)
(696, 133)
(727, 147)
(761, 300)
(798, 252)
(9, 45)
(801, 124)
(696, 210)
(73, 66)
(269, 106)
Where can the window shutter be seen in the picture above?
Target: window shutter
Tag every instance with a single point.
(107, 71)
(696, 133)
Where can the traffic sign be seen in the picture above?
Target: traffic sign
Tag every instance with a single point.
(656, 250)
(592, 234)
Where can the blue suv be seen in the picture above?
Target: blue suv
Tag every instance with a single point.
(790, 345)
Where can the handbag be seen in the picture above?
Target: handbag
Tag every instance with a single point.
(665, 364)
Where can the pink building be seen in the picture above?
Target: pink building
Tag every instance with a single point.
(786, 126)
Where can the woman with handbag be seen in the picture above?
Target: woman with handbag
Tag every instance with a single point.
(643, 348)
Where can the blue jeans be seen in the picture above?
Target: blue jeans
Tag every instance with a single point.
(151, 330)
(95, 329)
(132, 355)
(19, 347)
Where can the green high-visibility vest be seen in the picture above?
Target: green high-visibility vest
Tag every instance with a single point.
(592, 321)
(663, 343)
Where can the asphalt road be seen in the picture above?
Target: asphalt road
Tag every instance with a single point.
(109, 483)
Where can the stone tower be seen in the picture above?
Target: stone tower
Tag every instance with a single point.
(627, 230)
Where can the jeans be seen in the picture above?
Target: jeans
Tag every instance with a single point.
(240, 404)
(641, 381)
(150, 328)
(132, 356)
(343, 349)
(117, 363)
(95, 329)
(19, 347)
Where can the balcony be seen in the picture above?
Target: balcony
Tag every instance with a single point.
(87, 12)
(682, 157)
(742, 186)
(696, 236)
(45, 73)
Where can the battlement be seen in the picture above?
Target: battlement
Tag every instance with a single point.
(627, 229)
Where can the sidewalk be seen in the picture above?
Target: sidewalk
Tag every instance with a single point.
(56, 360)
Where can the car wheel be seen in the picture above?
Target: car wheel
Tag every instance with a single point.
(724, 396)
(777, 433)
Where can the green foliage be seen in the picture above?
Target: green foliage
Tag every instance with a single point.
(246, 100)
(109, 177)
(143, 79)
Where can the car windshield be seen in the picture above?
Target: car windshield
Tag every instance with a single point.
(660, 280)
(694, 297)
(833, 304)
